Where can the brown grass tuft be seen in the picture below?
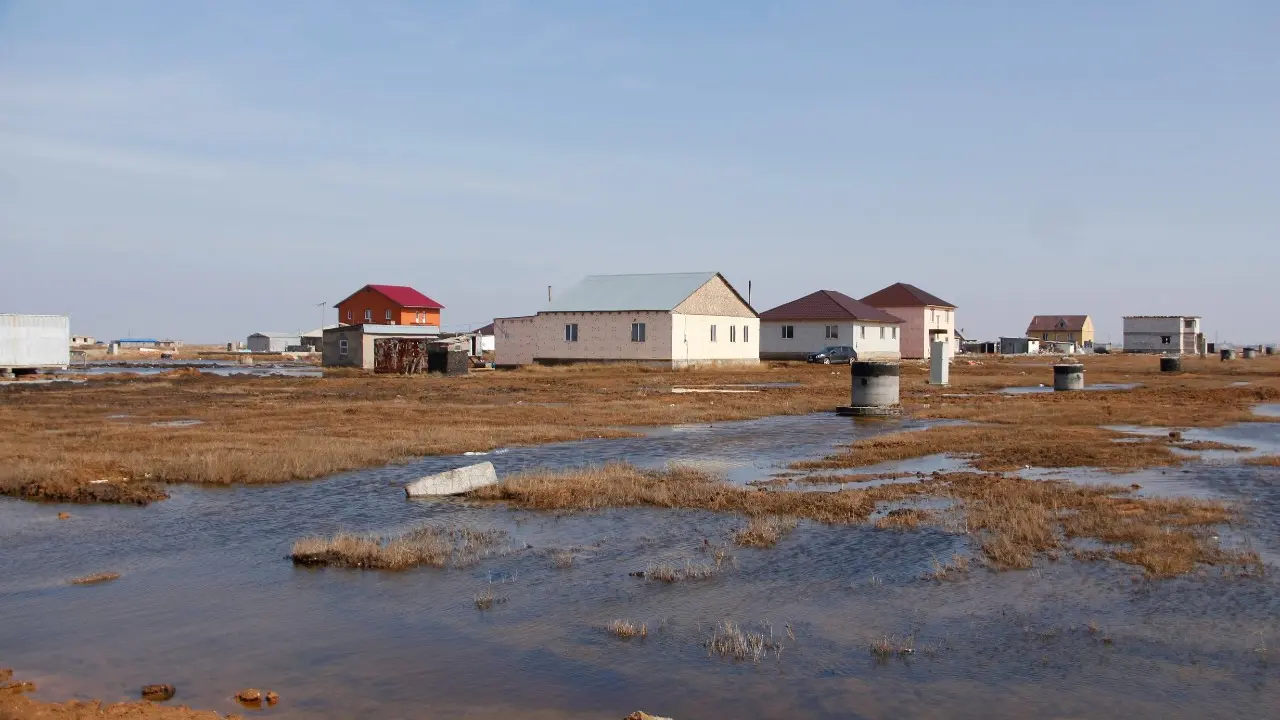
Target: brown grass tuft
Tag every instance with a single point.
(668, 573)
(731, 640)
(904, 518)
(764, 531)
(96, 578)
(1265, 461)
(626, 629)
(432, 545)
(562, 559)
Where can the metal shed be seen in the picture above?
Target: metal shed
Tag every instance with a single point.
(273, 342)
(34, 342)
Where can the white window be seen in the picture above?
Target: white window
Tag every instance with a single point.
(637, 332)
(733, 333)
(368, 316)
(745, 330)
(895, 333)
(342, 348)
(713, 333)
(388, 314)
(788, 332)
(348, 314)
(571, 332)
(833, 332)
(862, 332)
(882, 333)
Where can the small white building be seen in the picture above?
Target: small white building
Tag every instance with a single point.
(672, 320)
(483, 342)
(1019, 346)
(82, 340)
(794, 330)
(1175, 334)
(272, 342)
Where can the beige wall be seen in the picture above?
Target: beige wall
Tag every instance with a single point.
(919, 322)
(603, 336)
(715, 298)
(515, 340)
(810, 336)
(691, 339)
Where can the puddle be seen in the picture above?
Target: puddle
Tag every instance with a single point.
(1267, 410)
(176, 423)
(1049, 388)
(204, 366)
(206, 601)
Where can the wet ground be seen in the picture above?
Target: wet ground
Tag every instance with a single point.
(212, 367)
(206, 601)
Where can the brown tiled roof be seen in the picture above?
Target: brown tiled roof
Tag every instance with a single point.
(1059, 323)
(828, 305)
(904, 295)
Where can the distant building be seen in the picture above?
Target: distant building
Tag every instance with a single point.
(927, 318)
(484, 340)
(672, 320)
(1175, 334)
(389, 305)
(81, 340)
(794, 330)
(1075, 329)
(1019, 346)
(126, 343)
(313, 339)
(381, 348)
(272, 342)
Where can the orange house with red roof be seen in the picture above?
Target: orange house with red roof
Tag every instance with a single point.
(389, 305)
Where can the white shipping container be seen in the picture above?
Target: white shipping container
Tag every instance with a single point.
(35, 341)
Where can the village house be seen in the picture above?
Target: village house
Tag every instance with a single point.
(926, 318)
(825, 318)
(272, 342)
(1075, 329)
(669, 320)
(1178, 334)
(389, 305)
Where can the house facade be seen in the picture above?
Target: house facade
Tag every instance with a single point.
(389, 305)
(673, 320)
(356, 346)
(806, 325)
(1076, 329)
(1179, 334)
(926, 318)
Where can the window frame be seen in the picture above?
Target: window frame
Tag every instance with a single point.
(638, 332)
(571, 332)
(343, 348)
(788, 332)
(733, 333)
(713, 333)
(368, 315)
(746, 333)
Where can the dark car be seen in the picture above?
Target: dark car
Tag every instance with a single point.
(834, 354)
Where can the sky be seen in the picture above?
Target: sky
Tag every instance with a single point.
(206, 170)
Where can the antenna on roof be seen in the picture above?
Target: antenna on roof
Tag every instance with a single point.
(748, 292)
(548, 293)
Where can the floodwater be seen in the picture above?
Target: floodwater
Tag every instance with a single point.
(1049, 388)
(207, 602)
(211, 367)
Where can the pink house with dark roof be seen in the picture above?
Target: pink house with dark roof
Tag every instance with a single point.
(926, 318)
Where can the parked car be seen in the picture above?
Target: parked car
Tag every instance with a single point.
(834, 354)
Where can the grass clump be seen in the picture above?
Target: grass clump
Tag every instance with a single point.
(96, 578)
(431, 545)
(668, 573)
(562, 559)
(1265, 461)
(904, 519)
(764, 531)
(487, 598)
(731, 640)
(626, 629)
(958, 566)
(886, 647)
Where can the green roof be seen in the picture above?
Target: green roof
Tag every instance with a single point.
(621, 293)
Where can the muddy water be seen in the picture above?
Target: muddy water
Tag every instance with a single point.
(206, 602)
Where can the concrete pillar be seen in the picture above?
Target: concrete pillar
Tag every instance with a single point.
(1227, 354)
(1270, 350)
(874, 389)
(1068, 376)
(113, 348)
(231, 347)
(1248, 353)
(939, 364)
(1171, 363)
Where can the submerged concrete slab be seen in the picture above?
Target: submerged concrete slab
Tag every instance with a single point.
(454, 482)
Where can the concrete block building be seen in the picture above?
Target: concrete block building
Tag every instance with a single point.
(926, 318)
(806, 325)
(672, 319)
(1175, 334)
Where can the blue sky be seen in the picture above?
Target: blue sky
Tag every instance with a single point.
(205, 170)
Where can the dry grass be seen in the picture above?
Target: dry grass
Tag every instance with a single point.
(487, 598)
(668, 573)
(431, 545)
(731, 640)
(1265, 460)
(1012, 519)
(958, 567)
(96, 578)
(888, 646)
(904, 519)
(626, 629)
(562, 559)
(765, 531)
(263, 430)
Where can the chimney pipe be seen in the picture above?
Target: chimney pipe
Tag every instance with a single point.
(548, 293)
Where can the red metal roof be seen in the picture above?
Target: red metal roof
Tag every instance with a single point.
(828, 305)
(904, 295)
(402, 295)
(1060, 323)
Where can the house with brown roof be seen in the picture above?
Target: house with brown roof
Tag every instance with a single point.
(794, 330)
(926, 318)
(1076, 329)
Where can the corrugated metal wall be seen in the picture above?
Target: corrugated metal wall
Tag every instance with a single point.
(32, 341)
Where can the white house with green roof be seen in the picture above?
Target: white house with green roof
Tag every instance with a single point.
(669, 319)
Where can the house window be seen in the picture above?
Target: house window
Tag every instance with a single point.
(788, 332)
(1189, 324)
(862, 332)
(637, 332)
(833, 332)
(342, 348)
(881, 333)
(895, 333)
(388, 314)
(713, 333)
(745, 329)
(1044, 336)
(348, 314)
(571, 332)
(1165, 339)
(733, 333)
(368, 316)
